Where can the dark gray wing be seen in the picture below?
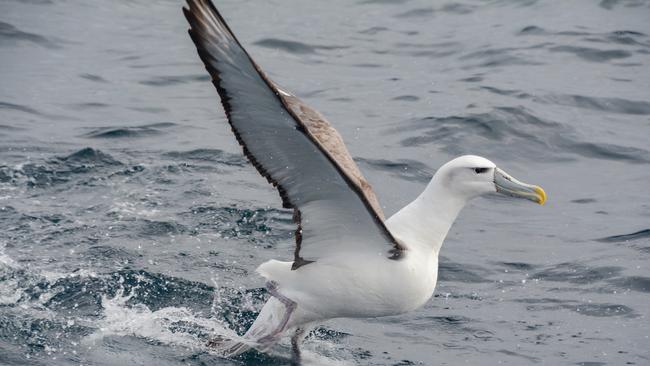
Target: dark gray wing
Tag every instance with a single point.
(332, 212)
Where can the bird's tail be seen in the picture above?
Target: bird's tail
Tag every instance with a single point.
(262, 335)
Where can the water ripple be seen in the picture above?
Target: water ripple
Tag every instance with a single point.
(427, 12)
(20, 108)
(209, 155)
(93, 77)
(9, 34)
(294, 47)
(264, 226)
(612, 105)
(411, 170)
(129, 132)
(536, 136)
(58, 170)
(168, 80)
(587, 309)
(449, 271)
(611, 4)
(593, 54)
(639, 235)
(577, 273)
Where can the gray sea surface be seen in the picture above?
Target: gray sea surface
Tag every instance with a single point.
(131, 224)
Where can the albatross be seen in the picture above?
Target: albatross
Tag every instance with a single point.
(349, 261)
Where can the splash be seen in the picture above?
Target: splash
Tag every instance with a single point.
(6, 262)
(10, 291)
(177, 326)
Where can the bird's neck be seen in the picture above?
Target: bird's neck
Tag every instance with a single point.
(423, 224)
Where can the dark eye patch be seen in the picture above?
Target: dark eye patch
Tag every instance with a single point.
(481, 170)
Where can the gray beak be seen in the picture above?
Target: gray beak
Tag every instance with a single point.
(509, 186)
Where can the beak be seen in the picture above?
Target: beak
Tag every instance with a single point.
(509, 186)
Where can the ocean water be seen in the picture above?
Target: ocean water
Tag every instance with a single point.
(131, 224)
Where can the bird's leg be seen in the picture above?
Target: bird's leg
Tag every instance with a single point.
(290, 305)
(215, 341)
(295, 345)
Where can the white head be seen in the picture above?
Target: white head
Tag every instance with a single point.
(470, 176)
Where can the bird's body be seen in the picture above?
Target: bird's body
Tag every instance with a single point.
(349, 262)
(357, 287)
(361, 285)
(341, 287)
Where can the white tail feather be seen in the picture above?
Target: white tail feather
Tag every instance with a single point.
(266, 324)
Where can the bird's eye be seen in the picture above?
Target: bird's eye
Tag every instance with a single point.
(481, 170)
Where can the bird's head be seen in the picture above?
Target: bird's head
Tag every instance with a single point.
(471, 176)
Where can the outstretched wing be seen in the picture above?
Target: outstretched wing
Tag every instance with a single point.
(293, 146)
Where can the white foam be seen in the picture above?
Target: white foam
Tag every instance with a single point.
(10, 293)
(164, 325)
(5, 260)
(312, 358)
(52, 276)
(133, 209)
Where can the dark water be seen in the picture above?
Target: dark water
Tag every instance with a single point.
(130, 223)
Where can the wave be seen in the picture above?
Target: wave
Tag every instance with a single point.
(612, 105)
(264, 226)
(175, 80)
(638, 235)
(90, 156)
(152, 129)
(426, 12)
(593, 54)
(411, 170)
(102, 316)
(9, 34)
(449, 271)
(591, 309)
(58, 169)
(622, 37)
(93, 77)
(208, 155)
(611, 4)
(406, 98)
(497, 57)
(20, 108)
(382, 2)
(526, 135)
(577, 273)
(294, 47)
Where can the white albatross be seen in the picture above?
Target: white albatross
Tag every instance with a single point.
(348, 260)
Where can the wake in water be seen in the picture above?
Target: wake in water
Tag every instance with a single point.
(178, 326)
(37, 307)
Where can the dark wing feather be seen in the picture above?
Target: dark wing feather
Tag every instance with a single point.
(331, 209)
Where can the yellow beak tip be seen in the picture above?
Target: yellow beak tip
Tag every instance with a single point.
(541, 193)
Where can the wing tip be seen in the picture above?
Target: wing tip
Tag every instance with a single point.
(207, 29)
